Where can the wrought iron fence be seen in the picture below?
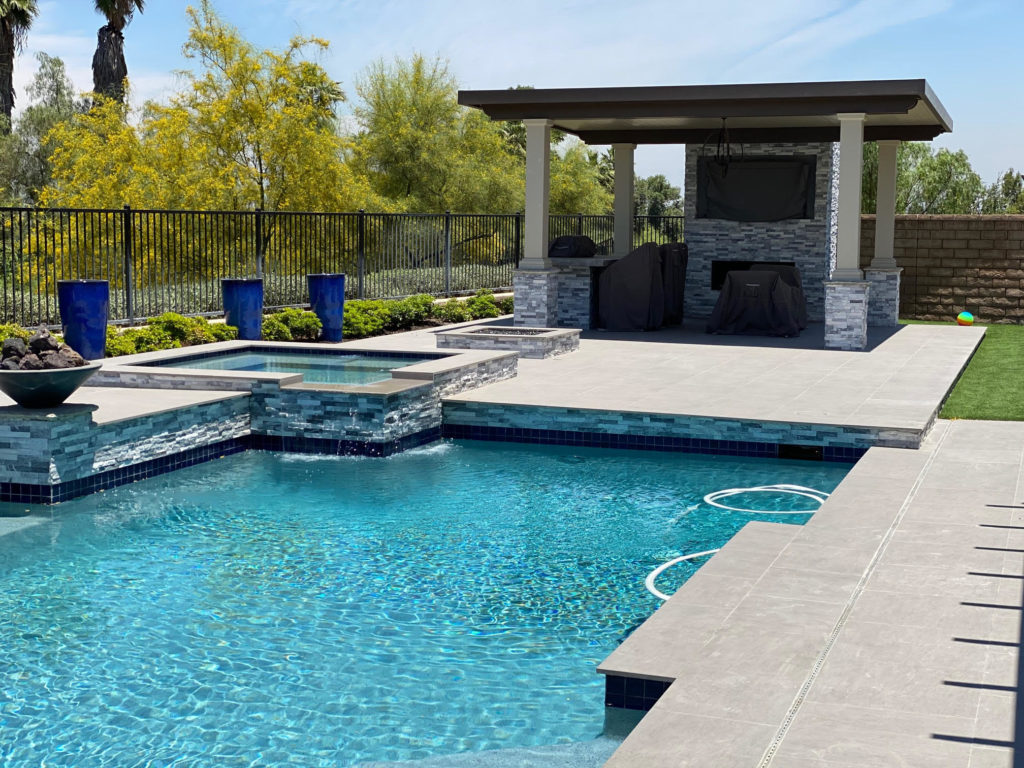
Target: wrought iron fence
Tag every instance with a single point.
(164, 261)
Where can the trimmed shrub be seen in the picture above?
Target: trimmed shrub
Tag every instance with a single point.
(274, 329)
(452, 311)
(409, 312)
(150, 339)
(482, 305)
(364, 318)
(505, 305)
(301, 324)
(10, 330)
(223, 332)
(118, 344)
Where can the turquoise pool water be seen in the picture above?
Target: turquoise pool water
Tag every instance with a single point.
(322, 369)
(275, 609)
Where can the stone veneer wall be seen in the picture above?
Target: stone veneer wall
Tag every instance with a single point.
(52, 456)
(48, 448)
(574, 287)
(582, 421)
(806, 242)
(956, 263)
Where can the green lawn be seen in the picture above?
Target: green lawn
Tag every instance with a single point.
(992, 386)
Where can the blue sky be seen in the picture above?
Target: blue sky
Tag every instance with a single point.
(968, 50)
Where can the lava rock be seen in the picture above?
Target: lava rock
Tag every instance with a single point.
(9, 364)
(55, 360)
(43, 341)
(72, 358)
(31, 362)
(14, 347)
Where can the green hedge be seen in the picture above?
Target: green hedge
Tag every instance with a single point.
(362, 318)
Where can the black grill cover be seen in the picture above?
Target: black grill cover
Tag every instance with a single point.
(673, 276)
(572, 247)
(631, 295)
(757, 301)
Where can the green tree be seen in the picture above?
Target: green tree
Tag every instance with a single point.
(424, 151)
(251, 129)
(576, 184)
(514, 132)
(109, 69)
(655, 196)
(25, 154)
(926, 181)
(1006, 195)
(16, 17)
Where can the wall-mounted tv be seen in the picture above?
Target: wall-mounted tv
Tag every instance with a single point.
(756, 188)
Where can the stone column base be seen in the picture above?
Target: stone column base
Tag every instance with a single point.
(536, 298)
(884, 305)
(846, 314)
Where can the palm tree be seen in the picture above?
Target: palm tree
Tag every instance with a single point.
(15, 18)
(108, 67)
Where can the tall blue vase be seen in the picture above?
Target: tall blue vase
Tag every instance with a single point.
(84, 309)
(243, 306)
(327, 299)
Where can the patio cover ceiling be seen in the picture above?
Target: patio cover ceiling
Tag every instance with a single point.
(907, 110)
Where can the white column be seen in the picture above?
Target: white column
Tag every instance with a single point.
(851, 161)
(623, 198)
(885, 212)
(538, 190)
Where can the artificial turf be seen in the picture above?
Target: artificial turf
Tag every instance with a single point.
(992, 385)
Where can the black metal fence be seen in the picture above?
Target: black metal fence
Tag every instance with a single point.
(173, 261)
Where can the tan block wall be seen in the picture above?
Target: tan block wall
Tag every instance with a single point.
(956, 263)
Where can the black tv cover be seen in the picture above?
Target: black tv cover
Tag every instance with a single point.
(756, 188)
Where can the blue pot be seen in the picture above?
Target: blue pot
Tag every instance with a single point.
(243, 306)
(327, 300)
(84, 308)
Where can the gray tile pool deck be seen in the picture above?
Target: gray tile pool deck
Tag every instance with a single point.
(884, 632)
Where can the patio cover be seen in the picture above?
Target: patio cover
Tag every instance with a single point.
(905, 110)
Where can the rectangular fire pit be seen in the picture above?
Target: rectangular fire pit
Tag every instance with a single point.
(528, 342)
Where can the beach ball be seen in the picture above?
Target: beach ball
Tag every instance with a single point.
(965, 318)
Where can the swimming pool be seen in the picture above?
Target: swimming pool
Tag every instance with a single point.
(269, 609)
(315, 367)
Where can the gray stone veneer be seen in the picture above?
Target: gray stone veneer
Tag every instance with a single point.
(846, 315)
(557, 341)
(806, 242)
(573, 297)
(46, 448)
(42, 448)
(884, 297)
(536, 298)
(475, 414)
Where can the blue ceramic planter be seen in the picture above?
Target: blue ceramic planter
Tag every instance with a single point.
(84, 308)
(327, 300)
(243, 306)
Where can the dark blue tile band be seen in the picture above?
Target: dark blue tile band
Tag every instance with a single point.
(23, 493)
(624, 692)
(635, 442)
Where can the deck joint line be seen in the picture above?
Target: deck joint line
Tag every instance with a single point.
(769, 756)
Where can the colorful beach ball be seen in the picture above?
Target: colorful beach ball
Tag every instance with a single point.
(965, 318)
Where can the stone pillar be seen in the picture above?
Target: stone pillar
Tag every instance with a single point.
(534, 284)
(851, 161)
(846, 314)
(536, 298)
(538, 190)
(884, 304)
(623, 198)
(884, 273)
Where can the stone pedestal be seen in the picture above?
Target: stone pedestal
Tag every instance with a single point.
(884, 304)
(536, 298)
(846, 314)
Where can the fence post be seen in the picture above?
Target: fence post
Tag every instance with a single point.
(517, 236)
(447, 253)
(259, 242)
(361, 252)
(579, 224)
(127, 267)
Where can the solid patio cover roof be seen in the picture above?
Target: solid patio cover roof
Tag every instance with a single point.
(907, 110)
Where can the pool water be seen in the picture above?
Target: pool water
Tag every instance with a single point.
(278, 609)
(315, 368)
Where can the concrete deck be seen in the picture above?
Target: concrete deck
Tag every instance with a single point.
(898, 384)
(885, 632)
